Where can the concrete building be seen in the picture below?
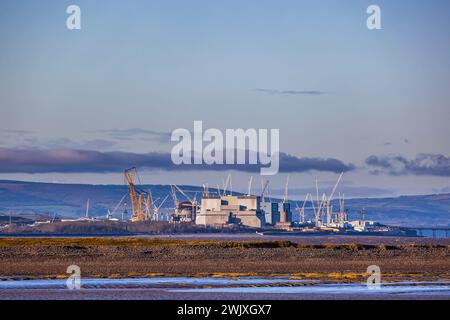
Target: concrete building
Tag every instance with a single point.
(227, 209)
(285, 221)
(271, 212)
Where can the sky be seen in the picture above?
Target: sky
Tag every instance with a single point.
(77, 106)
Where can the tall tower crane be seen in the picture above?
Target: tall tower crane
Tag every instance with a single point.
(176, 203)
(139, 198)
(286, 189)
(265, 187)
(148, 203)
(302, 209)
(157, 207)
(329, 208)
(227, 183)
(249, 192)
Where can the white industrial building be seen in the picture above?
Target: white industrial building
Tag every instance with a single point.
(229, 209)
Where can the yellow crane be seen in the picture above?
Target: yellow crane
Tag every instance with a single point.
(139, 198)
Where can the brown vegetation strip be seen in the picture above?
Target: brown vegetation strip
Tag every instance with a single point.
(126, 257)
(151, 242)
(142, 242)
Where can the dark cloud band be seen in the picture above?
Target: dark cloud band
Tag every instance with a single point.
(78, 161)
(423, 164)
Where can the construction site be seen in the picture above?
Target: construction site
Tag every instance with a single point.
(220, 207)
(136, 208)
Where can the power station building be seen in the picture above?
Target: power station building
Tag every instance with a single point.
(243, 210)
(229, 209)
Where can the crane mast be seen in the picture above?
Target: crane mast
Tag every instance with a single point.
(140, 200)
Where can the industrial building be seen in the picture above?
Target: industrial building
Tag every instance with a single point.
(219, 210)
(285, 221)
(271, 212)
(222, 207)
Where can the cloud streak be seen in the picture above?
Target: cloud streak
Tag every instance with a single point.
(423, 164)
(14, 160)
(95, 144)
(128, 134)
(290, 92)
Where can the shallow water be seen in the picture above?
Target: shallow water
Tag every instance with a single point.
(147, 282)
(416, 288)
(433, 233)
(210, 288)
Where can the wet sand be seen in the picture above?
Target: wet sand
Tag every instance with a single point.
(306, 238)
(157, 294)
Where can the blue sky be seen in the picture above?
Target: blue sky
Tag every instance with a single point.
(160, 65)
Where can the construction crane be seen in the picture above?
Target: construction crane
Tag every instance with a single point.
(180, 206)
(264, 187)
(318, 213)
(317, 193)
(205, 190)
(130, 174)
(148, 203)
(314, 211)
(193, 202)
(330, 197)
(341, 202)
(156, 209)
(87, 210)
(225, 185)
(302, 209)
(139, 198)
(249, 192)
(124, 212)
(111, 213)
(363, 217)
(176, 203)
(342, 215)
(286, 188)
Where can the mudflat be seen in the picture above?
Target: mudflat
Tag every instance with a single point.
(133, 257)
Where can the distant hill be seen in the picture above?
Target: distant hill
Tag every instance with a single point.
(69, 200)
(426, 210)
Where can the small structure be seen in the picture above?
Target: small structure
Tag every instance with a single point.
(185, 211)
(285, 221)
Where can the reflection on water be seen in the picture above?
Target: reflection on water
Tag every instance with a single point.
(246, 285)
(443, 288)
(148, 282)
(433, 233)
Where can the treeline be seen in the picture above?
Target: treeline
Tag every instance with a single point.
(113, 228)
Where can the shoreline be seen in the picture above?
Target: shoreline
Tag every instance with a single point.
(141, 256)
(331, 278)
(246, 236)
